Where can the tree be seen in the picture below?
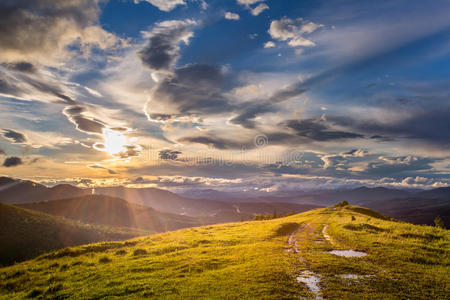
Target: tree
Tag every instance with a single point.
(274, 213)
(438, 222)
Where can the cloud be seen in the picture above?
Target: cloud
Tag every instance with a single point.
(96, 166)
(250, 110)
(2, 152)
(22, 66)
(231, 16)
(164, 5)
(259, 9)
(162, 50)
(168, 154)
(211, 141)
(129, 152)
(23, 82)
(269, 44)
(432, 126)
(14, 136)
(248, 2)
(318, 130)
(193, 90)
(40, 30)
(356, 152)
(293, 31)
(12, 161)
(78, 115)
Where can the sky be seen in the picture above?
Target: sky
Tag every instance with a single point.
(240, 95)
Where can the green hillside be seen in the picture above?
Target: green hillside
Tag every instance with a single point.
(285, 258)
(25, 234)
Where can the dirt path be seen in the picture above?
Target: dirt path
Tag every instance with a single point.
(307, 277)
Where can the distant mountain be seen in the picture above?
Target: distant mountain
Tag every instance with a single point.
(209, 211)
(438, 193)
(25, 234)
(414, 209)
(359, 196)
(211, 195)
(111, 211)
(15, 191)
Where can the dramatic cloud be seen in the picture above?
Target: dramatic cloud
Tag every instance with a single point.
(231, 16)
(432, 126)
(14, 136)
(214, 142)
(79, 115)
(193, 90)
(163, 48)
(26, 84)
(22, 66)
(318, 130)
(249, 111)
(164, 5)
(41, 29)
(293, 31)
(259, 9)
(168, 154)
(12, 161)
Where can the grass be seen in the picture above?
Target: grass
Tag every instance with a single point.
(247, 260)
(25, 234)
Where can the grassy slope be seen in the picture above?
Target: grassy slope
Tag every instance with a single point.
(25, 234)
(247, 260)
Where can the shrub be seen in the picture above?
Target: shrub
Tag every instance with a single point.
(104, 259)
(139, 252)
(438, 222)
(353, 218)
(121, 252)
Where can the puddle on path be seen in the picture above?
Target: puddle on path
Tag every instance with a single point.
(311, 280)
(353, 276)
(348, 253)
(325, 235)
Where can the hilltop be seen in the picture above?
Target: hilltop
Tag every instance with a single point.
(282, 258)
(25, 234)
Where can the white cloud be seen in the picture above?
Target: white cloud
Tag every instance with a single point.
(164, 5)
(269, 44)
(39, 31)
(231, 16)
(248, 2)
(293, 31)
(259, 9)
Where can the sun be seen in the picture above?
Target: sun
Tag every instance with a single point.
(114, 141)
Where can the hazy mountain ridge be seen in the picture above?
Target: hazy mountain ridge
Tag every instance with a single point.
(401, 204)
(110, 211)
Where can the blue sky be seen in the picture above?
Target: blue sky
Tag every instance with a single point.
(247, 95)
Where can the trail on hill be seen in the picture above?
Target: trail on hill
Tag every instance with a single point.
(308, 277)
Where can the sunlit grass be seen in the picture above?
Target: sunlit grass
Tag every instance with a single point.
(246, 260)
